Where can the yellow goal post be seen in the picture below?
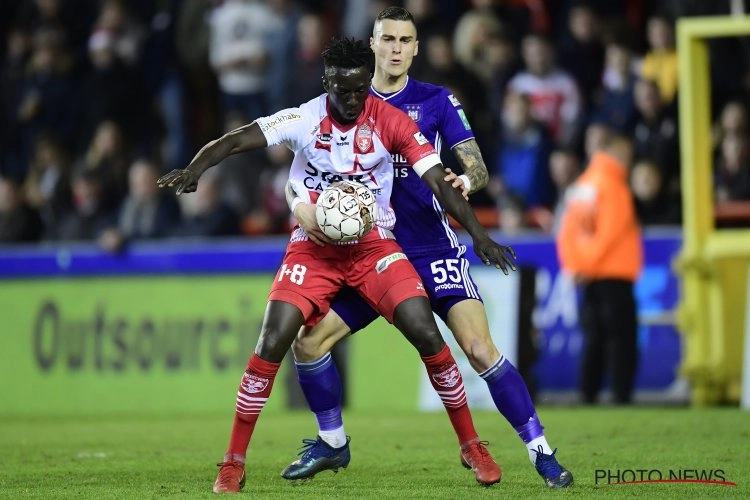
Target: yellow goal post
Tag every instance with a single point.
(713, 263)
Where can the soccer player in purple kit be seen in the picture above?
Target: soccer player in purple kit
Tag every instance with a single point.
(431, 245)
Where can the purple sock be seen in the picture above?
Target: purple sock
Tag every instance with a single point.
(321, 385)
(511, 396)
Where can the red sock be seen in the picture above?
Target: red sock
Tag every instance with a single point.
(447, 381)
(251, 398)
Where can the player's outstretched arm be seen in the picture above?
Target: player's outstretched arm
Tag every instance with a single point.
(242, 139)
(451, 199)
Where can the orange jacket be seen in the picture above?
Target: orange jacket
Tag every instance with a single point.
(599, 236)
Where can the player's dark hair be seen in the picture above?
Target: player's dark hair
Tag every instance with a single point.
(348, 53)
(395, 14)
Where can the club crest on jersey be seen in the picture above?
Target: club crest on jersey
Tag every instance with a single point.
(447, 378)
(363, 139)
(252, 383)
(414, 111)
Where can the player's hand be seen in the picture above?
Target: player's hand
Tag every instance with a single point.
(491, 253)
(305, 214)
(456, 182)
(185, 180)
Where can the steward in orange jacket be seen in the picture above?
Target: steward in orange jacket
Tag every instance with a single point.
(599, 235)
(599, 243)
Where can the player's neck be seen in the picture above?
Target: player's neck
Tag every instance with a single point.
(386, 84)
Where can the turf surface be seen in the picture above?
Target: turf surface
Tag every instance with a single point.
(401, 456)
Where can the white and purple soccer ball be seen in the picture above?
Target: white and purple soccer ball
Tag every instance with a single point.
(345, 211)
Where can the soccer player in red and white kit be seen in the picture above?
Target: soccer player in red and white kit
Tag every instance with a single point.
(343, 134)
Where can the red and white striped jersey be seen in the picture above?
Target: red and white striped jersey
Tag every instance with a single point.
(326, 152)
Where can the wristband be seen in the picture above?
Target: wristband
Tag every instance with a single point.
(467, 182)
(295, 202)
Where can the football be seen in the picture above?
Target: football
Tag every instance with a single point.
(345, 211)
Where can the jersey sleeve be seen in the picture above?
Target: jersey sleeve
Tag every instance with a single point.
(290, 127)
(453, 124)
(405, 138)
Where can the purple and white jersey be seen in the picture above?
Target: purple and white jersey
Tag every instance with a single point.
(421, 223)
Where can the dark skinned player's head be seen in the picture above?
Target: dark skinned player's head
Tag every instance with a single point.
(348, 70)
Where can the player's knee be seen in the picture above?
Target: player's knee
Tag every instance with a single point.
(306, 350)
(427, 340)
(481, 353)
(273, 345)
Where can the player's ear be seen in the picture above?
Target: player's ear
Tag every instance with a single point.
(416, 47)
(325, 83)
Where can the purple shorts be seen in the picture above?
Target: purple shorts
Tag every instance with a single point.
(446, 280)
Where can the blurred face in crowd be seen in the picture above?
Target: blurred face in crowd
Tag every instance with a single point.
(49, 9)
(498, 52)
(439, 52)
(208, 193)
(10, 195)
(101, 50)
(279, 155)
(659, 33)
(142, 180)
(86, 190)
(645, 181)
(733, 152)
(582, 24)
(395, 45)
(564, 167)
(647, 99)
(617, 58)
(516, 112)
(310, 34)
(107, 139)
(113, 15)
(420, 9)
(595, 138)
(733, 118)
(537, 55)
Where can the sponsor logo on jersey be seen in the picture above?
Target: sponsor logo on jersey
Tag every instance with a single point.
(414, 111)
(454, 101)
(323, 141)
(421, 140)
(342, 141)
(447, 378)
(383, 263)
(252, 383)
(317, 180)
(363, 139)
(464, 119)
(449, 286)
(278, 120)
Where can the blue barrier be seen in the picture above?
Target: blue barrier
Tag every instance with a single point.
(555, 315)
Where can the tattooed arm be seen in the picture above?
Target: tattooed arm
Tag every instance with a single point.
(470, 158)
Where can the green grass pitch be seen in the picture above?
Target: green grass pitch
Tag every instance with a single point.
(393, 456)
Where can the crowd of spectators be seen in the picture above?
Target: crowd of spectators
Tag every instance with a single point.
(99, 97)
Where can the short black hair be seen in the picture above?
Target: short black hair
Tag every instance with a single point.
(348, 53)
(395, 14)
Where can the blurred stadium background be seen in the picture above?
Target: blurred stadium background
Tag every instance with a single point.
(112, 311)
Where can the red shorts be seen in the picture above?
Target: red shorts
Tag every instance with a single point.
(310, 276)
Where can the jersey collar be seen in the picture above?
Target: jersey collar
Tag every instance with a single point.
(387, 96)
